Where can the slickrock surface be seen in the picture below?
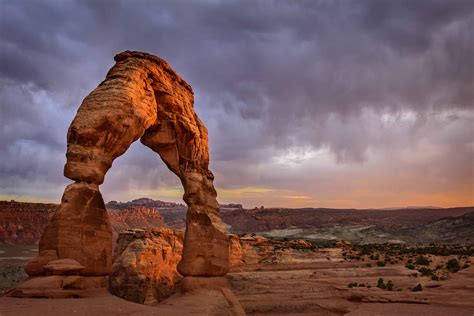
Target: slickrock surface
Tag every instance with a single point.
(209, 303)
(321, 288)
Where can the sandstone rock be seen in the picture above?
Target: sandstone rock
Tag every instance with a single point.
(64, 267)
(134, 217)
(144, 270)
(36, 265)
(140, 98)
(80, 230)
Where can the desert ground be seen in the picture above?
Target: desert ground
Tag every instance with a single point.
(300, 279)
(322, 288)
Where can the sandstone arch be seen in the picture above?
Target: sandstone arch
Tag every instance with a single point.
(140, 98)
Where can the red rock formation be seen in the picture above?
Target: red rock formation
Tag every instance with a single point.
(235, 251)
(141, 98)
(81, 230)
(145, 266)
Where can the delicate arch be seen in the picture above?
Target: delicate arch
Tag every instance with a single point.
(140, 98)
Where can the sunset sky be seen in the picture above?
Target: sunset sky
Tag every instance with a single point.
(358, 104)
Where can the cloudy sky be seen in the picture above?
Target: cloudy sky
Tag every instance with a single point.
(308, 103)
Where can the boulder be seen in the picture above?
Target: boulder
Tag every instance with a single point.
(144, 270)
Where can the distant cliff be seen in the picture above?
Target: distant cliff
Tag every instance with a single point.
(23, 223)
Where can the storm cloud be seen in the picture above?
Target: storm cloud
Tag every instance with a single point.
(321, 103)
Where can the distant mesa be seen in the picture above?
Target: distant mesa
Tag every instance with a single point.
(147, 202)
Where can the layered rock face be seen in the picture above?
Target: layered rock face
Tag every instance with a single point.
(141, 98)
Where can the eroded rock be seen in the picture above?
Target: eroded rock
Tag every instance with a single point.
(144, 270)
(81, 230)
(140, 98)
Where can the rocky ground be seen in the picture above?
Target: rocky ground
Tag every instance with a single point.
(353, 281)
(294, 277)
(12, 262)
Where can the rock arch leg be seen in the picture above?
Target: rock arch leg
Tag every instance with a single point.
(182, 145)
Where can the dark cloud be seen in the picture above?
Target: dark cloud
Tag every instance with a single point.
(269, 76)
